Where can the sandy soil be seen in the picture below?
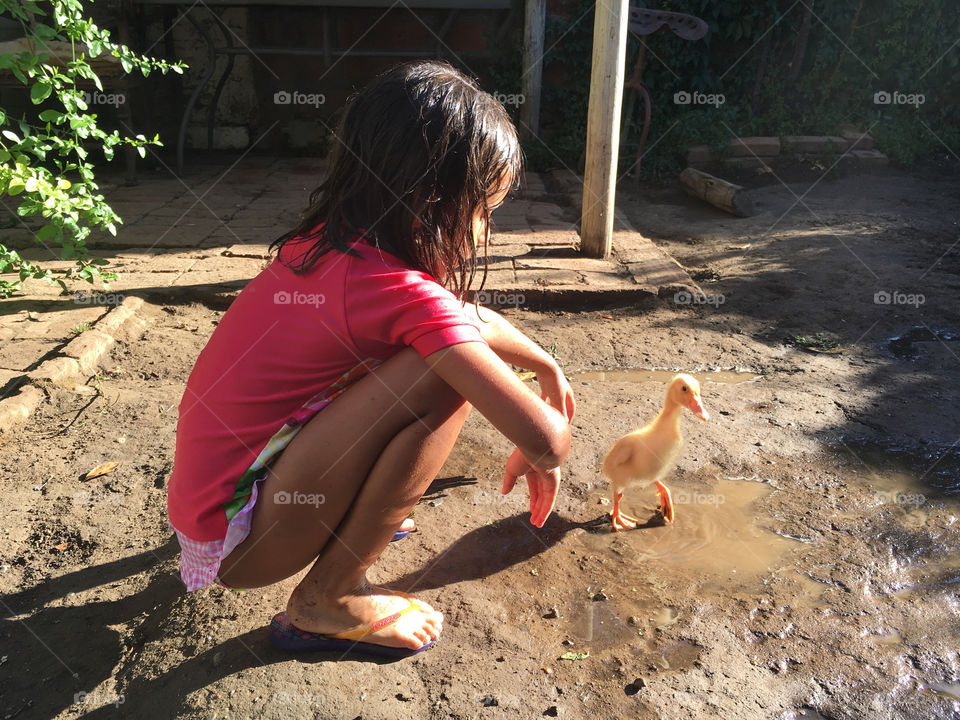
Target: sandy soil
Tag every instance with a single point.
(812, 570)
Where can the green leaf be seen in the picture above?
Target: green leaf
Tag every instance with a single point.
(44, 32)
(45, 233)
(40, 91)
(575, 656)
(11, 136)
(4, 155)
(50, 115)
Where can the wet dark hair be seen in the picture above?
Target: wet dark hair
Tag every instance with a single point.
(418, 151)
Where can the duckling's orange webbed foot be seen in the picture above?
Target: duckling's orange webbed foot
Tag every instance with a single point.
(666, 502)
(618, 519)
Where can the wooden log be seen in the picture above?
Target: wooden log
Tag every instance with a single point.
(719, 193)
(603, 127)
(533, 30)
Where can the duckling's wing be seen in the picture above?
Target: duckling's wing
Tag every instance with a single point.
(618, 456)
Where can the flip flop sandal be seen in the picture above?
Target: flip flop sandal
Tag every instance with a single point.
(400, 535)
(286, 636)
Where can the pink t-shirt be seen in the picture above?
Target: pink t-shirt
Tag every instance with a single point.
(286, 338)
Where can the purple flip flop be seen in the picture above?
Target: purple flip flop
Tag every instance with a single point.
(286, 636)
(400, 535)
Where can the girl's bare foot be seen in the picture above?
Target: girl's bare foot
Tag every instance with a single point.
(408, 525)
(364, 606)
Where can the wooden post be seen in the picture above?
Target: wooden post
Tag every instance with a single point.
(603, 126)
(533, 29)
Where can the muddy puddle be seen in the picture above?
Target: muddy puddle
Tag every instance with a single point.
(914, 487)
(716, 531)
(911, 344)
(906, 477)
(718, 539)
(641, 375)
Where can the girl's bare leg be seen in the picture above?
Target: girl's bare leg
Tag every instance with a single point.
(351, 476)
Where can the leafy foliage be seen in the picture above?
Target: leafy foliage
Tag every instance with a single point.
(45, 166)
(783, 68)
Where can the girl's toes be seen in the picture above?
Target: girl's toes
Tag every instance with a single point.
(426, 608)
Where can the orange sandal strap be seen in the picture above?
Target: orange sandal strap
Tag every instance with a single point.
(363, 630)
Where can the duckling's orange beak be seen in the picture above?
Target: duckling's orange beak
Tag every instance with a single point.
(697, 408)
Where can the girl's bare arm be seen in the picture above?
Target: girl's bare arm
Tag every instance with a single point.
(513, 347)
(483, 379)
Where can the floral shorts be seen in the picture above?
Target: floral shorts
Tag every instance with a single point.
(200, 560)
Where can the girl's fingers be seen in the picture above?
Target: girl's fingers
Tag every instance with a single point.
(534, 488)
(566, 404)
(517, 467)
(543, 496)
(509, 480)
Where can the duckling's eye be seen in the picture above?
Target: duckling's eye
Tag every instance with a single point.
(684, 388)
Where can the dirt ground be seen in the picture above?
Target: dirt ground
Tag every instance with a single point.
(812, 571)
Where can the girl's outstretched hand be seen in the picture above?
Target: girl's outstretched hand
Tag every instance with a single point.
(556, 390)
(543, 485)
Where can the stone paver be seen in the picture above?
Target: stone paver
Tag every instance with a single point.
(203, 237)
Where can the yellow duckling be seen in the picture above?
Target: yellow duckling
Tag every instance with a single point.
(644, 456)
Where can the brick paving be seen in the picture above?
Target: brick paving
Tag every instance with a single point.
(204, 236)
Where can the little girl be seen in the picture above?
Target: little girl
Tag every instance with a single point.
(336, 384)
